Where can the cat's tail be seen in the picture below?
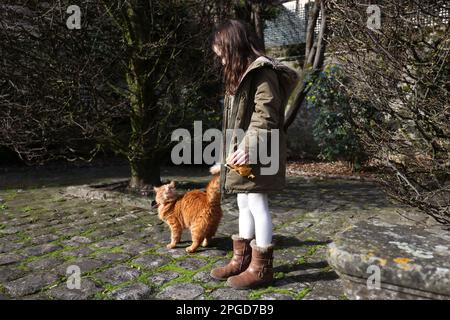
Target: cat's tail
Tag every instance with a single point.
(213, 187)
(215, 169)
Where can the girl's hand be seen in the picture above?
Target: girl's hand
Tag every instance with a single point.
(239, 157)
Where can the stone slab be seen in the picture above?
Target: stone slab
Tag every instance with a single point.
(181, 291)
(412, 263)
(100, 192)
(137, 291)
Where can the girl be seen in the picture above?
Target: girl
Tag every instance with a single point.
(256, 91)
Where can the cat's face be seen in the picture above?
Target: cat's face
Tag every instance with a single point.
(164, 194)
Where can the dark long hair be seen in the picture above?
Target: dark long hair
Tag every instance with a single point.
(239, 46)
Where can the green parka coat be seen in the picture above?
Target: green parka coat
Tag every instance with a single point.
(256, 109)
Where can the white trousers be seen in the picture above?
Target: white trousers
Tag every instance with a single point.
(255, 220)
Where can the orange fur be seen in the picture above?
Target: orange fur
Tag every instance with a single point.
(196, 210)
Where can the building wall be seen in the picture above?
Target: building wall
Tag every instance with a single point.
(289, 27)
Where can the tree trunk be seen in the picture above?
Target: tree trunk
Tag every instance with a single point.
(314, 58)
(150, 30)
(143, 154)
(145, 173)
(258, 23)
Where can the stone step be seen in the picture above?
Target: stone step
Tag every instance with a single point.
(379, 260)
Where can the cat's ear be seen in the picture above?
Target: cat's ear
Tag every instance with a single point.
(172, 184)
(155, 189)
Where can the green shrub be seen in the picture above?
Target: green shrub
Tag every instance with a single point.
(332, 129)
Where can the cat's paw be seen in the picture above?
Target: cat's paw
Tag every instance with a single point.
(171, 245)
(190, 249)
(205, 243)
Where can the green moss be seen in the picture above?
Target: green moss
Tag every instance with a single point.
(102, 296)
(117, 249)
(211, 286)
(207, 296)
(2, 290)
(300, 295)
(11, 194)
(53, 285)
(23, 237)
(111, 287)
(302, 260)
(311, 252)
(280, 226)
(315, 248)
(257, 294)
(108, 287)
(144, 278)
(59, 199)
(326, 269)
(70, 258)
(23, 267)
(87, 232)
(53, 254)
(187, 275)
(27, 209)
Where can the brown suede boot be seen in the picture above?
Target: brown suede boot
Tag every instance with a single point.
(242, 255)
(260, 271)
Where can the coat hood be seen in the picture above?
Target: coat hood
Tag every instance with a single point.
(288, 77)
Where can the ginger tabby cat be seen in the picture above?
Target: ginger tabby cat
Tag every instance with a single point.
(196, 210)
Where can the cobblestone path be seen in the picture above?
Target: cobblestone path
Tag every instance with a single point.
(121, 250)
